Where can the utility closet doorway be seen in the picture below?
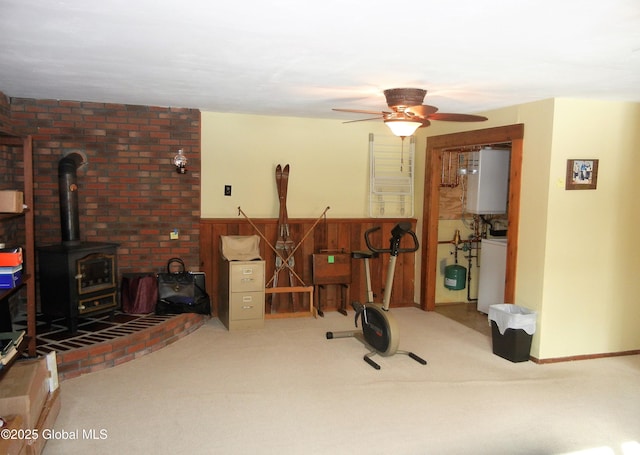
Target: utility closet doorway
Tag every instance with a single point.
(511, 135)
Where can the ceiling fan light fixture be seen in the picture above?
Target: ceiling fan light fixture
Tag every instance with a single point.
(408, 113)
(402, 127)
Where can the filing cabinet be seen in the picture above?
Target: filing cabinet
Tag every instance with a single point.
(242, 294)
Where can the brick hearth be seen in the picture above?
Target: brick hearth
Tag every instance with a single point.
(107, 354)
(105, 341)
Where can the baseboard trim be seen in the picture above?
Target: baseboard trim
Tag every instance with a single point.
(584, 357)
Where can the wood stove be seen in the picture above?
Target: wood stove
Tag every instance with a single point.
(76, 278)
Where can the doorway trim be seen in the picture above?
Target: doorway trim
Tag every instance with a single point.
(431, 210)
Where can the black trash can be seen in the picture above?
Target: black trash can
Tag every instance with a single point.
(512, 329)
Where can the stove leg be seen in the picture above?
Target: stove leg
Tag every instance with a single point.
(48, 320)
(72, 324)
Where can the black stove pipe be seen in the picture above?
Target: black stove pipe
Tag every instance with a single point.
(68, 189)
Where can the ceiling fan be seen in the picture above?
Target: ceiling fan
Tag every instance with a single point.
(408, 113)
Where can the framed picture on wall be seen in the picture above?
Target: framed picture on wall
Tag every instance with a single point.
(582, 174)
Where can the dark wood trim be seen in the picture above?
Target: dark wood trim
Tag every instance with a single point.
(30, 242)
(515, 185)
(339, 234)
(433, 164)
(585, 357)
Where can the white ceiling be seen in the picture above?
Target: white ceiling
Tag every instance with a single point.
(301, 58)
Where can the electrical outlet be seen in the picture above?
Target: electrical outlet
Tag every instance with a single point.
(227, 190)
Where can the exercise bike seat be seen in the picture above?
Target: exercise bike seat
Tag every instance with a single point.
(363, 254)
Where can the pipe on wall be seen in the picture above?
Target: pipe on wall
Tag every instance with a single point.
(68, 189)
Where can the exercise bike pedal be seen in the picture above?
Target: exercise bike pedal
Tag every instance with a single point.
(371, 362)
(418, 359)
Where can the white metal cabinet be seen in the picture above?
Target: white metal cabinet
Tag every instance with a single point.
(488, 181)
(493, 267)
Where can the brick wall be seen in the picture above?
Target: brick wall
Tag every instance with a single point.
(129, 193)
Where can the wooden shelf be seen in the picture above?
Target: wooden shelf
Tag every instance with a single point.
(6, 293)
(8, 216)
(22, 347)
(24, 145)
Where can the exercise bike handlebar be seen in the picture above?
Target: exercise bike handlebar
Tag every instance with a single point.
(397, 233)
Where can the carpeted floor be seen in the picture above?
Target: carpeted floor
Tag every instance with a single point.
(286, 389)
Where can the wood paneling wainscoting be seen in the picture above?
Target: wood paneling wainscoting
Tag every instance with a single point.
(333, 235)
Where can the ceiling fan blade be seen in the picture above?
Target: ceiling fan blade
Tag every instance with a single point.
(457, 117)
(406, 106)
(423, 110)
(359, 111)
(364, 119)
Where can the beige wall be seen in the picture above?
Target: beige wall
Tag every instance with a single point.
(329, 165)
(589, 302)
(577, 258)
(577, 255)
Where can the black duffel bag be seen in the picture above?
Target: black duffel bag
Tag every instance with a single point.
(179, 292)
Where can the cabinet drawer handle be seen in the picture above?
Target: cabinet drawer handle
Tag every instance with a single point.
(246, 280)
(247, 298)
(247, 271)
(247, 307)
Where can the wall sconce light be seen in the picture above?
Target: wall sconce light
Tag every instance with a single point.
(180, 162)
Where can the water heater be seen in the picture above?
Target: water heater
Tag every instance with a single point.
(488, 181)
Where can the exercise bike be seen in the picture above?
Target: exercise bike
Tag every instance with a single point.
(379, 329)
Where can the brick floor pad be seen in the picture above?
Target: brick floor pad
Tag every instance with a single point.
(103, 341)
